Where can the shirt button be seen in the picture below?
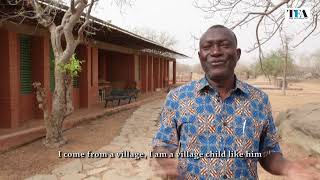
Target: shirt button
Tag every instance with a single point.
(225, 123)
(224, 176)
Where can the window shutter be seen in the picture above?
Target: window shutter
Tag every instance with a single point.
(75, 82)
(25, 65)
(52, 80)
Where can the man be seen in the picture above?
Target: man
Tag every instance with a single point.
(221, 126)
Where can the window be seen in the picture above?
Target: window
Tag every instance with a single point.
(52, 64)
(25, 65)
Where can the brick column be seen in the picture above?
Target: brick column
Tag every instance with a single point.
(168, 70)
(165, 78)
(9, 77)
(40, 68)
(162, 72)
(93, 88)
(159, 73)
(156, 73)
(174, 71)
(150, 71)
(144, 72)
(84, 53)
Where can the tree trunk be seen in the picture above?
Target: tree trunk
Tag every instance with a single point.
(284, 82)
(54, 136)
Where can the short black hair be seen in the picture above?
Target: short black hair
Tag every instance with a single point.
(224, 27)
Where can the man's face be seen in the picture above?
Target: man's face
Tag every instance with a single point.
(218, 53)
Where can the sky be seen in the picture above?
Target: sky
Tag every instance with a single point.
(181, 19)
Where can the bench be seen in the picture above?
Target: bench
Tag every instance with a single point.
(121, 94)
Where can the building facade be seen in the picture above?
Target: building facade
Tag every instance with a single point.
(27, 57)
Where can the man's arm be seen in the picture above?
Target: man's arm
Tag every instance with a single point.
(275, 164)
(273, 160)
(166, 139)
(168, 165)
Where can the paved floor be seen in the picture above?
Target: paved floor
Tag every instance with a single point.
(134, 139)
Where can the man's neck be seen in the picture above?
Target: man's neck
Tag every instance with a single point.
(223, 86)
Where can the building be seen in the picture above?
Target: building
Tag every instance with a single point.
(112, 55)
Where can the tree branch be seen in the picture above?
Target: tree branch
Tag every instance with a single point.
(259, 45)
(72, 6)
(261, 13)
(314, 28)
(86, 23)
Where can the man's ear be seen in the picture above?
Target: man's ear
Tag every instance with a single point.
(199, 55)
(238, 53)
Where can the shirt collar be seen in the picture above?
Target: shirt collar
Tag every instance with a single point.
(203, 83)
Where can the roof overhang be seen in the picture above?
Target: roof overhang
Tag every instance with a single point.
(109, 33)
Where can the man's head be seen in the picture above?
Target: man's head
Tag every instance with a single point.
(218, 52)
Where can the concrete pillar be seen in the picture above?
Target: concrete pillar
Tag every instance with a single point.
(9, 78)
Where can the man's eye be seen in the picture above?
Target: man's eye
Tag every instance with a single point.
(206, 47)
(225, 45)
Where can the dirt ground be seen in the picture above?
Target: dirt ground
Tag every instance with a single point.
(34, 158)
(293, 99)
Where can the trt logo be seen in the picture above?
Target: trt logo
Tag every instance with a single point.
(297, 13)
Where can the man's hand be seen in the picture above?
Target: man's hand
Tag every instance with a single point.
(304, 169)
(166, 167)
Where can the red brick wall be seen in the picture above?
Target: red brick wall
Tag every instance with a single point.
(89, 76)
(9, 100)
(120, 67)
(76, 98)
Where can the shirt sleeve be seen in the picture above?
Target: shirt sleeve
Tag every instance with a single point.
(167, 136)
(269, 140)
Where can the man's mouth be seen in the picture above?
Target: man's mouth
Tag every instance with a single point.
(218, 63)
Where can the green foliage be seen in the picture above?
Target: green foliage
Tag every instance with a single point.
(73, 67)
(273, 64)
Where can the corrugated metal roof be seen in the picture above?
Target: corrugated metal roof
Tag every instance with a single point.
(113, 34)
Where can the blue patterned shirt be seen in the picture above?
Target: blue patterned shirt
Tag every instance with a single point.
(217, 139)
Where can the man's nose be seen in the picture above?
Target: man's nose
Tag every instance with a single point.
(215, 50)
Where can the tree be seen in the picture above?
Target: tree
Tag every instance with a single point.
(313, 61)
(71, 30)
(268, 16)
(163, 38)
(241, 70)
(274, 63)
